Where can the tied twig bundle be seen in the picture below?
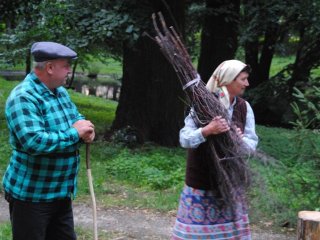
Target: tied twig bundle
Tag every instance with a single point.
(227, 165)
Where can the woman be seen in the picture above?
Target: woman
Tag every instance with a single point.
(202, 213)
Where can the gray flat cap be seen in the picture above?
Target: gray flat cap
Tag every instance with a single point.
(44, 51)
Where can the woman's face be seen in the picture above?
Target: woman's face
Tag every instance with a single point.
(238, 86)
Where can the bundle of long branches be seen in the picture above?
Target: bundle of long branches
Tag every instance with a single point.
(227, 165)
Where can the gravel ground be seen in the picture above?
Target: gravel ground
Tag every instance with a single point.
(136, 223)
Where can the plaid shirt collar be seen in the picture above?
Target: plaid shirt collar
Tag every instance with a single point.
(40, 87)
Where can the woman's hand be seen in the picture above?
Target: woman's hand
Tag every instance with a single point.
(216, 126)
(239, 132)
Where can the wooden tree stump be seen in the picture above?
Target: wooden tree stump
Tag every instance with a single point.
(308, 225)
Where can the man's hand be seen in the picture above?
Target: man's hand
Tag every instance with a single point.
(216, 126)
(85, 130)
(89, 138)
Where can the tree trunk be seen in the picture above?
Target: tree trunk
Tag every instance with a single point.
(252, 59)
(259, 54)
(270, 39)
(261, 66)
(219, 35)
(28, 62)
(261, 70)
(75, 63)
(308, 225)
(252, 53)
(150, 97)
(307, 57)
(251, 45)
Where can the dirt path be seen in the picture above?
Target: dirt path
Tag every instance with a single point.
(136, 224)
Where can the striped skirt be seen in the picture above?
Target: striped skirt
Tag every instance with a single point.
(200, 217)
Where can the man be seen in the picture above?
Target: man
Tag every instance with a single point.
(45, 134)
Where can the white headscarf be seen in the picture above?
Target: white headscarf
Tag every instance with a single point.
(224, 74)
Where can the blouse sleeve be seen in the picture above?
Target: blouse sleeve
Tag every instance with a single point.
(249, 136)
(190, 135)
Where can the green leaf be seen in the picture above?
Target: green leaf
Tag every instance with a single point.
(129, 29)
(109, 33)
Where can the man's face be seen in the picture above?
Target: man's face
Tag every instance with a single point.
(238, 86)
(59, 70)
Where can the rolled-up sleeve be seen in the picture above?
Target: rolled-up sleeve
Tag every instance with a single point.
(249, 136)
(190, 135)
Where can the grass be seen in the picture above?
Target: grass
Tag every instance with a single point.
(84, 234)
(5, 231)
(110, 66)
(281, 136)
(278, 63)
(124, 177)
(100, 111)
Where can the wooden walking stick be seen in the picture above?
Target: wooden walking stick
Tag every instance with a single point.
(93, 199)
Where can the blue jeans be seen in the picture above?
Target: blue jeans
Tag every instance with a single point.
(41, 220)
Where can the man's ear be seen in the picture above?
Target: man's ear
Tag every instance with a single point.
(49, 67)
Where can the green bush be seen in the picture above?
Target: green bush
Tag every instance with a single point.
(280, 192)
(289, 185)
(307, 108)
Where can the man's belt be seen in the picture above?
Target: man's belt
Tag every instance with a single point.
(61, 154)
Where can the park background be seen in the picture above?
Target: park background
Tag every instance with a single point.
(136, 160)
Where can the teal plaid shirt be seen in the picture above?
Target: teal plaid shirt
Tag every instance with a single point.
(44, 162)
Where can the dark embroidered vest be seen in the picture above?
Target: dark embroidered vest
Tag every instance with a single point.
(197, 174)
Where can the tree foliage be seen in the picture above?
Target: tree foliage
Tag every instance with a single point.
(282, 26)
(95, 27)
(265, 26)
(214, 31)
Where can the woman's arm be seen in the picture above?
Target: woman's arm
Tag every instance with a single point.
(191, 136)
(249, 136)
